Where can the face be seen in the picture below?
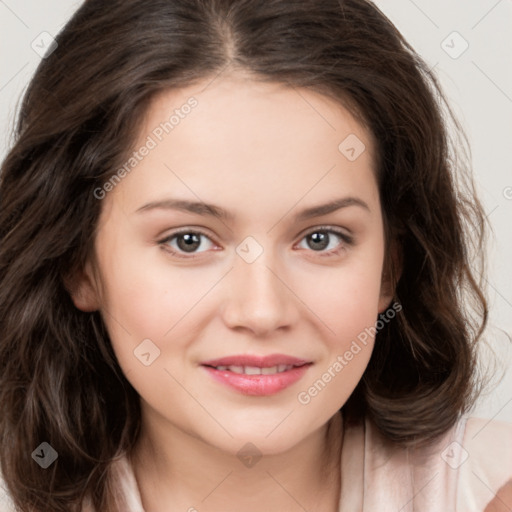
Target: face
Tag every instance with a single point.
(233, 295)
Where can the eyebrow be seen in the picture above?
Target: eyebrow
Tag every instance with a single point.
(211, 210)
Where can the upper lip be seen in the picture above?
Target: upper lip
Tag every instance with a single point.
(256, 361)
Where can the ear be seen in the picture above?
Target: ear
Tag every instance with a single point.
(82, 288)
(392, 270)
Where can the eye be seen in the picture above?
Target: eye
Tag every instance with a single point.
(328, 241)
(186, 243)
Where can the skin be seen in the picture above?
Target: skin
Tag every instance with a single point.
(264, 152)
(502, 502)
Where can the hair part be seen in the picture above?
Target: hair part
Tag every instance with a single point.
(60, 381)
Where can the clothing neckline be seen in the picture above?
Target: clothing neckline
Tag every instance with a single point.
(128, 497)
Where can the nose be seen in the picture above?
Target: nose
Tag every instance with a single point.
(259, 299)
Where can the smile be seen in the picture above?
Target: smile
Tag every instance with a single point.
(257, 375)
(255, 370)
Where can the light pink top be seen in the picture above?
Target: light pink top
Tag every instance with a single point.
(463, 473)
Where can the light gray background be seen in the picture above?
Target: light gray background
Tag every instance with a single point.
(478, 84)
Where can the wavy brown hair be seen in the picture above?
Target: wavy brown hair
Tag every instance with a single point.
(59, 378)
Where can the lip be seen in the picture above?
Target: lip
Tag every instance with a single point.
(259, 361)
(257, 385)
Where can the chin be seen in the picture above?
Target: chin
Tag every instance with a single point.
(272, 438)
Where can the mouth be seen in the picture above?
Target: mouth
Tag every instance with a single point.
(255, 370)
(256, 375)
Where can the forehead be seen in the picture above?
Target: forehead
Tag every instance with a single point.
(253, 108)
(237, 139)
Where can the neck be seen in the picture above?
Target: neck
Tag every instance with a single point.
(172, 468)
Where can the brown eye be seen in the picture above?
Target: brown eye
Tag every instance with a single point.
(326, 241)
(318, 240)
(186, 242)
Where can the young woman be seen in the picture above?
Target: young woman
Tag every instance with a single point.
(236, 270)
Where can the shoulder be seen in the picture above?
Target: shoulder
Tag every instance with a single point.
(464, 470)
(488, 442)
(473, 464)
(485, 471)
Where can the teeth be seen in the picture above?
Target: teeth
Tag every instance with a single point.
(252, 370)
(255, 370)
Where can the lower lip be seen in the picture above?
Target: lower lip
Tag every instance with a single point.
(258, 385)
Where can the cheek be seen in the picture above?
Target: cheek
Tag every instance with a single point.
(344, 299)
(348, 310)
(147, 298)
(345, 303)
(147, 295)
(138, 302)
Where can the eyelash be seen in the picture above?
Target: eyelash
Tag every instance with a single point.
(347, 240)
